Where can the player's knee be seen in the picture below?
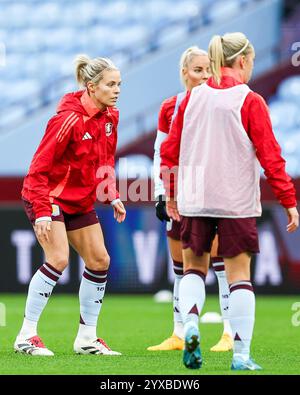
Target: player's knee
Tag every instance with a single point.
(100, 263)
(59, 262)
(201, 268)
(177, 257)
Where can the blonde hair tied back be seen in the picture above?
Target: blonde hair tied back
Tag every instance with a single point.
(223, 51)
(87, 69)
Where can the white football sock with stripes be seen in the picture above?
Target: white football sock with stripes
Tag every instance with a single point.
(91, 293)
(242, 316)
(191, 297)
(178, 324)
(39, 292)
(223, 294)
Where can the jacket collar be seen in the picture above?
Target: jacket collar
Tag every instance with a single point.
(230, 72)
(88, 104)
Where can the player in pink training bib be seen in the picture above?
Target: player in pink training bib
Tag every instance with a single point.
(221, 134)
(194, 71)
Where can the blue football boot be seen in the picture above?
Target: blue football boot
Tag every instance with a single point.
(192, 357)
(240, 364)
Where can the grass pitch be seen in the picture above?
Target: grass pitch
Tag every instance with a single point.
(130, 324)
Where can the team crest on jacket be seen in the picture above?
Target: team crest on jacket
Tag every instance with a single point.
(108, 129)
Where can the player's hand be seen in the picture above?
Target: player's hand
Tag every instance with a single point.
(42, 230)
(293, 218)
(160, 207)
(119, 211)
(172, 210)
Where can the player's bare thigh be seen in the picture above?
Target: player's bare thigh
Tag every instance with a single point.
(175, 247)
(193, 262)
(56, 248)
(89, 243)
(214, 247)
(238, 268)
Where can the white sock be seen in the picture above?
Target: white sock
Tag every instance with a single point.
(39, 292)
(191, 296)
(178, 324)
(91, 293)
(190, 324)
(242, 315)
(223, 294)
(178, 329)
(227, 327)
(29, 329)
(87, 332)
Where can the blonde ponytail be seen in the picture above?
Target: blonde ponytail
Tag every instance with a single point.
(87, 69)
(81, 61)
(216, 57)
(223, 51)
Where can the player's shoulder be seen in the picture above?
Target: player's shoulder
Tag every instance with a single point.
(254, 98)
(168, 104)
(67, 118)
(170, 100)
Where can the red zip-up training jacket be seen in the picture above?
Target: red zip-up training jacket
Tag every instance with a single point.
(78, 141)
(256, 121)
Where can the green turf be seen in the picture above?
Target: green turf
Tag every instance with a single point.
(131, 323)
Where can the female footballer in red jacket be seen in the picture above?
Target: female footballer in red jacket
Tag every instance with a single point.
(231, 132)
(194, 70)
(73, 166)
